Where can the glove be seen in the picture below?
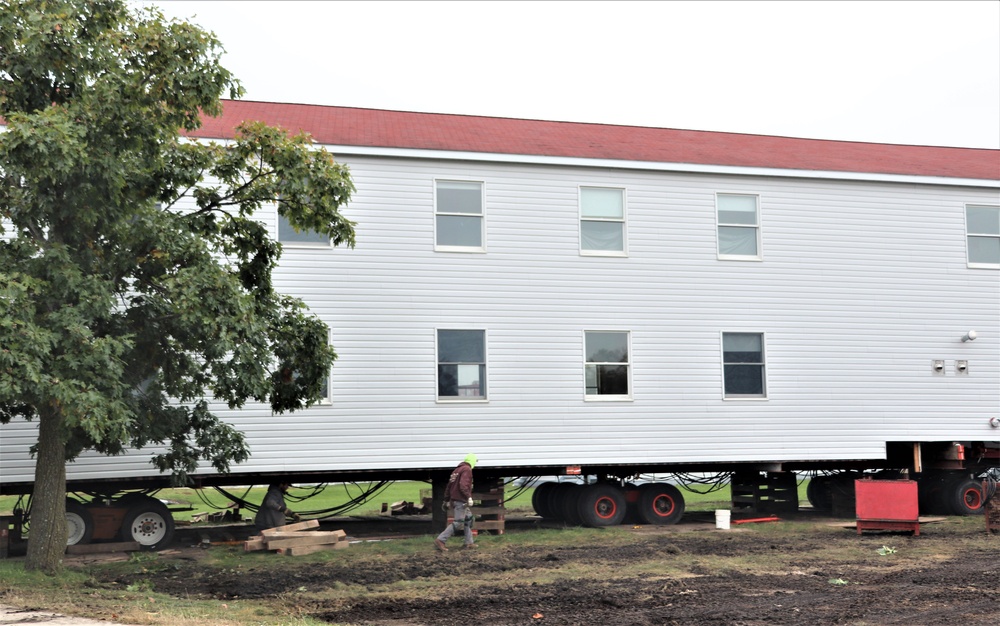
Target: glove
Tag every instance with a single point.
(295, 516)
(469, 503)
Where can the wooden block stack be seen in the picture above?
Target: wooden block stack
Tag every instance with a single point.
(296, 539)
(490, 511)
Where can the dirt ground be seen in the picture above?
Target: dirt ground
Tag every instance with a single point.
(765, 578)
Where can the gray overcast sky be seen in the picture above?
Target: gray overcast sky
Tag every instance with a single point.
(895, 72)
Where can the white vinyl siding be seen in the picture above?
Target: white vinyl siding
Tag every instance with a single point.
(982, 225)
(865, 284)
(738, 226)
(602, 221)
(459, 216)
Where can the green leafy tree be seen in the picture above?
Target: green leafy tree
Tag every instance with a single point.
(121, 309)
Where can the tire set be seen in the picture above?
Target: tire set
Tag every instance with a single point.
(605, 504)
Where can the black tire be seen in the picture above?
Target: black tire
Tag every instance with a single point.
(819, 494)
(601, 505)
(554, 499)
(569, 499)
(79, 524)
(964, 496)
(660, 503)
(149, 523)
(540, 500)
(932, 495)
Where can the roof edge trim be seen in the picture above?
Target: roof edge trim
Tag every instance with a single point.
(694, 168)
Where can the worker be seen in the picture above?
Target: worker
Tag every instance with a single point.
(273, 509)
(458, 495)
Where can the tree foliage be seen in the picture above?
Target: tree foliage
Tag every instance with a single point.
(122, 306)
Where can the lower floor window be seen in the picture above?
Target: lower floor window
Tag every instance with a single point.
(743, 365)
(606, 370)
(462, 364)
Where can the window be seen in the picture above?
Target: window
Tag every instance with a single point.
(982, 225)
(459, 215)
(602, 220)
(461, 365)
(606, 371)
(289, 234)
(739, 226)
(743, 365)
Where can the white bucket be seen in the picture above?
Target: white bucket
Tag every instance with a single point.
(722, 520)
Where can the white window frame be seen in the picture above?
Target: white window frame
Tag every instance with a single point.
(437, 368)
(763, 365)
(623, 221)
(597, 397)
(315, 245)
(969, 235)
(482, 216)
(757, 229)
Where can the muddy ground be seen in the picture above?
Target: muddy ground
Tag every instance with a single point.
(690, 574)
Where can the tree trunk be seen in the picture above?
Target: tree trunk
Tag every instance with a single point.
(47, 524)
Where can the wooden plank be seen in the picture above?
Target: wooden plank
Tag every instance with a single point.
(311, 523)
(488, 510)
(303, 550)
(488, 525)
(103, 548)
(253, 544)
(291, 542)
(339, 534)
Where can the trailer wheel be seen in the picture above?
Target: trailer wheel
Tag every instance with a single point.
(540, 500)
(601, 505)
(568, 502)
(660, 503)
(819, 494)
(149, 523)
(965, 497)
(79, 523)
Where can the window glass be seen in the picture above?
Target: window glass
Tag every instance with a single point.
(454, 230)
(743, 364)
(288, 234)
(461, 364)
(738, 225)
(599, 202)
(983, 228)
(602, 219)
(606, 371)
(603, 236)
(459, 214)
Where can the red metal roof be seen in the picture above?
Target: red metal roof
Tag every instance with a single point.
(345, 126)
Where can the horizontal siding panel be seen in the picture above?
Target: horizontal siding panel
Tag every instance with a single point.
(861, 287)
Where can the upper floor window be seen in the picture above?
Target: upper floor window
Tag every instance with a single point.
(289, 234)
(606, 370)
(982, 227)
(602, 221)
(458, 209)
(743, 365)
(739, 226)
(461, 364)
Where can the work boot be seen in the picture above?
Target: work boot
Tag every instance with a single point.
(469, 545)
(440, 545)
